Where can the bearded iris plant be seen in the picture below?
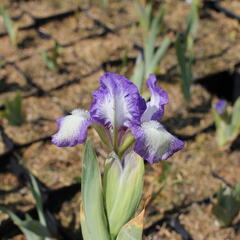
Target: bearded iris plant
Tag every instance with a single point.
(227, 122)
(130, 129)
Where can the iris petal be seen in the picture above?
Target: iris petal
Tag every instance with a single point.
(155, 107)
(72, 129)
(154, 143)
(117, 103)
(220, 106)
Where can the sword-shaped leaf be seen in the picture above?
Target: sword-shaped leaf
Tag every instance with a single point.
(133, 229)
(32, 229)
(11, 29)
(94, 224)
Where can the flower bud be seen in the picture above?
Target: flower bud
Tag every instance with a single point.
(123, 184)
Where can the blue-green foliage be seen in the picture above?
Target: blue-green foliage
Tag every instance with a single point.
(11, 29)
(93, 212)
(228, 205)
(13, 110)
(103, 4)
(151, 27)
(184, 50)
(227, 124)
(32, 229)
(50, 58)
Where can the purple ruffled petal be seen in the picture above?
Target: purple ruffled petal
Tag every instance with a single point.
(117, 103)
(72, 129)
(220, 106)
(155, 107)
(154, 143)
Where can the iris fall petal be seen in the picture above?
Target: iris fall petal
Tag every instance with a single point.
(72, 129)
(154, 143)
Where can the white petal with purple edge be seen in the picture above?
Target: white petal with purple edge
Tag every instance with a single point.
(117, 103)
(154, 143)
(72, 129)
(155, 107)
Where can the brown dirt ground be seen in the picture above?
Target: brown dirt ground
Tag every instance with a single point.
(87, 44)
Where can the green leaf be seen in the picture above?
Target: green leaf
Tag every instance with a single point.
(103, 4)
(184, 50)
(85, 232)
(122, 189)
(102, 134)
(13, 110)
(11, 29)
(158, 56)
(124, 58)
(138, 74)
(32, 229)
(227, 125)
(192, 19)
(185, 64)
(150, 43)
(222, 128)
(35, 228)
(144, 15)
(133, 229)
(50, 61)
(228, 205)
(151, 27)
(235, 121)
(34, 188)
(57, 49)
(92, 198)
(166, 168)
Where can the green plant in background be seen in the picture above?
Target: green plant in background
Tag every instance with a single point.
(228, 205)
(11, 29)
(50, 58)
(184, 50)
(34, 188)
(166, 168)
(124, 61)
(227, 122)
(103, 4)
(13, 110)
(32, 229)
(151, 27)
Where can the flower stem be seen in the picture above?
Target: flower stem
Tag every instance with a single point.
(115, 139)
(126, 144)
(103, 134)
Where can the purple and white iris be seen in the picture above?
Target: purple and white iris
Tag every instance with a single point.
(119, 110)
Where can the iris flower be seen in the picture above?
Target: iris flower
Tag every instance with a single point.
(122, 118)
(220, 106)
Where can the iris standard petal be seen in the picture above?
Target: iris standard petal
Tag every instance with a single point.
(154, 143)
(72, 129)
(117, 103)
(155, 107)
